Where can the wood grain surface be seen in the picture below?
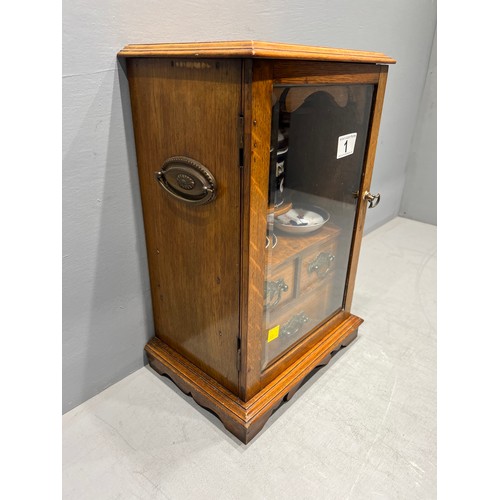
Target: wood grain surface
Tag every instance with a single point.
(365, 186)
(246, 419)
(257, 108)
(253, 49)
(193, 251)
(317, 73)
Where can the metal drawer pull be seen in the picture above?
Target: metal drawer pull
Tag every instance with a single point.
(321, 265)
(373, 200)
(187, 180)
(272, 292)
(296, 324)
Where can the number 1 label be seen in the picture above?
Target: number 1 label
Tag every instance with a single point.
(346, 145)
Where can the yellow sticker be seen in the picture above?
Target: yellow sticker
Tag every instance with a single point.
(273, 333)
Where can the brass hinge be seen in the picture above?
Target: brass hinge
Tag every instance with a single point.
(241, 139)
(238, 355)
(241, 126)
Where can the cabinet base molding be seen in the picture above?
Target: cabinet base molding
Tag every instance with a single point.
(245, 419)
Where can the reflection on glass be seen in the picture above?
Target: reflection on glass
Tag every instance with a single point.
(318, 139)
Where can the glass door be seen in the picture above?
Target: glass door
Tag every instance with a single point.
(318, 143)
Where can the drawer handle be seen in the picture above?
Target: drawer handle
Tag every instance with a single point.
(187, 180)
(272, 292)
(295, 325)
(321, 265)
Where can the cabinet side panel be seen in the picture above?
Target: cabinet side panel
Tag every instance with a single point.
(191, 108)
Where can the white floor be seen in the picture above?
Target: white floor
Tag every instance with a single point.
(362, 428)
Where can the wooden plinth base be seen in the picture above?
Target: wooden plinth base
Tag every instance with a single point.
(245, 419)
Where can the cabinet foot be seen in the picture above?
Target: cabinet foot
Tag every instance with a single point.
(245, 419)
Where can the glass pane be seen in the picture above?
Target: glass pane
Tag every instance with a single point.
(318, 140)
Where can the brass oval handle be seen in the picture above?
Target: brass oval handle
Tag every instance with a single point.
(372, 199)
(272, 292)
(187, 180)
(295, 325)
(321, 265)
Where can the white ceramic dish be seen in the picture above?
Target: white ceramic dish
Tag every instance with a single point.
(302, 219)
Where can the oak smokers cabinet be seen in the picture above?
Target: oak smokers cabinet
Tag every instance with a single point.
(255, 162)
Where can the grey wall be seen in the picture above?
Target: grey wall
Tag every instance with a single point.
(106, 307)
(419, 200)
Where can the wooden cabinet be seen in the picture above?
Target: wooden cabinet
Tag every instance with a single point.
(255, 161)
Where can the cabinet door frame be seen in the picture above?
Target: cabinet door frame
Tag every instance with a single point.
(258, 79)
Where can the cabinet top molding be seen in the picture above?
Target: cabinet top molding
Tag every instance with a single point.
(253, 49)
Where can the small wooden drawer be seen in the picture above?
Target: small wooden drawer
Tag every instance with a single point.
(317, 266)
(279, 288)
(285, 327)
